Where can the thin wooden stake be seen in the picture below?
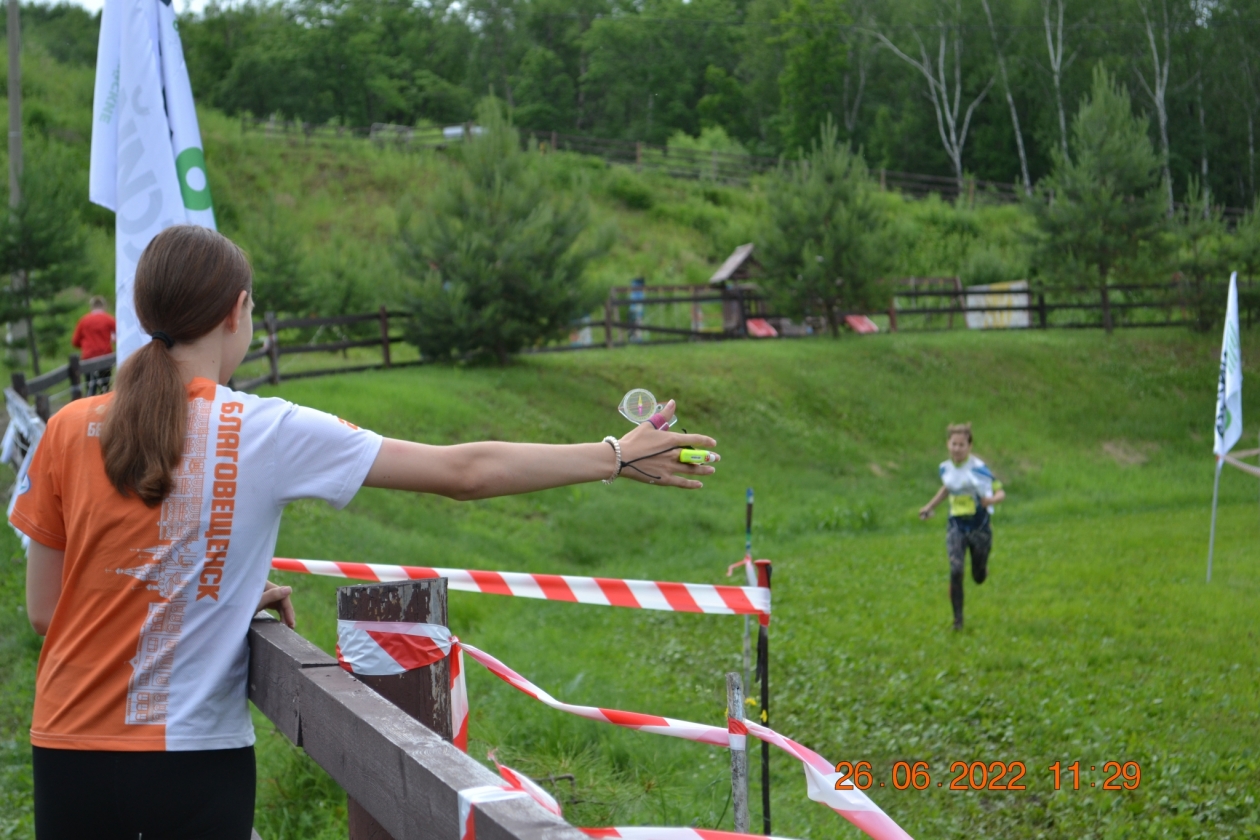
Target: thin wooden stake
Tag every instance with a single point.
(739, 754)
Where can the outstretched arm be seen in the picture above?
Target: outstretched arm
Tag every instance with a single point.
(492, 468)
(927, 510)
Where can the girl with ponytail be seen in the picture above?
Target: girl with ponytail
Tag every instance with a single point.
(153, 513)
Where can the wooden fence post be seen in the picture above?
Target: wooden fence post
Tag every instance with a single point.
(425, 693)
(892, 315)
(273, 347)
(385, 335)
(608, 320)
(1106, 309)
(19, 383)
(739, 757)
(42, 408)
(72, 371)
(1041, 308)
(638, 156)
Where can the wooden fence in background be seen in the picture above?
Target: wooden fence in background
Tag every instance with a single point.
(720, 167)
(661, 314)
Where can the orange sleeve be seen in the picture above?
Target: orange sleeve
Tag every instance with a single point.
(38, 511)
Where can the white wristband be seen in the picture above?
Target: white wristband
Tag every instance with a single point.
(616, 445)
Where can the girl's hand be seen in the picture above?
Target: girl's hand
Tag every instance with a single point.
(276, 598)
(926, 512)
(651, 456)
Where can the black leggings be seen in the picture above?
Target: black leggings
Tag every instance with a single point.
(978, 541)
(197, 795)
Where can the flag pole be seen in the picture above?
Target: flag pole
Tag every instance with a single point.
(751, 577)
(1216, 487)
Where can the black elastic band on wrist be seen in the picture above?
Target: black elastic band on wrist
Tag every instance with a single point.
(162, 337)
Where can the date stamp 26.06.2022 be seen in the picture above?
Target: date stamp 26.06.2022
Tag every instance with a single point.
(991, 775)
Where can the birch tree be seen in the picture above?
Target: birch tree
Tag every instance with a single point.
(943, 74)
(1158, 38)
(1010, 98)
(1052, 18)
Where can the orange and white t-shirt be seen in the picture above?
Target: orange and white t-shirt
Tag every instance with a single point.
(147, 647)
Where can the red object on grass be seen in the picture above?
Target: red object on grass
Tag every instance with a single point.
(760, 328)
(861, 324)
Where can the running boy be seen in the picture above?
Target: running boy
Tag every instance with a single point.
(972, 493)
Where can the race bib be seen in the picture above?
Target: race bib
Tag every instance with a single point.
(962, 505)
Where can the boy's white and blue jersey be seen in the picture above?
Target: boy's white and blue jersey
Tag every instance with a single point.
(968, 483)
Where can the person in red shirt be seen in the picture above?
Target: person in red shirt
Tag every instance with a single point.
(94, 336)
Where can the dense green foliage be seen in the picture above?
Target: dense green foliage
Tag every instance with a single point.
(42, 249)
(769, 72)
(1102, 210)
(827, 246)
(497, 254)
(1094, 639)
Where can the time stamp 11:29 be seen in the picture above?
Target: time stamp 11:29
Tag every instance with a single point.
(991, 775)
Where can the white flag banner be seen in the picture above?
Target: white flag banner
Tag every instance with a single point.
(1229, 387)
(147, 161)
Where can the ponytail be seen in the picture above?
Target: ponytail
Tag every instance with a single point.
(187, 282)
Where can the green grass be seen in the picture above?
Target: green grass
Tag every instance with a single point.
(1096, 637)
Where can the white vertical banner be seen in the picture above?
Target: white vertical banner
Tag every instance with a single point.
(147, 160)
(1229, 386)
(1228, 403)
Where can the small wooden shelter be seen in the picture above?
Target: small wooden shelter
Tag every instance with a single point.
(734, 278)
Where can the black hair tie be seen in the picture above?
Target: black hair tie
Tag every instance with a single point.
(164, 338)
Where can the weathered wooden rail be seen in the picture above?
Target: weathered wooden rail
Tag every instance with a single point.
(403, 778)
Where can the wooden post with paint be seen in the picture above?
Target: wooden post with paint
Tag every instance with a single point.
(739, 753)
(425, 693)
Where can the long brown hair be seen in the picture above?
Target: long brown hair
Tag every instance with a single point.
(187, 282)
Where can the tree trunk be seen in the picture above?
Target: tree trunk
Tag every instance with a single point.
(1010, 99)
(30, 336)
(1157, 89)
(1054, 45)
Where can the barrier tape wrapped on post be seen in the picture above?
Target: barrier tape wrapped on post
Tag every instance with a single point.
(666, 833)
(365, 646)
(608, 592)
(486, 793)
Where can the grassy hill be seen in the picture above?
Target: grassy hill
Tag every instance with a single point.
(325, 215)
(1095, 638)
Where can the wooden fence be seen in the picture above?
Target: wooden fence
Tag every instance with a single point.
(385, 740)
(273, 348)
(53, 389)
(722, 167)
(1149, 305)
(663, 314)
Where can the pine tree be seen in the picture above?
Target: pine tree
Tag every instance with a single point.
(827, 244)
(497, 252)
(42, 251)
(1101, 213)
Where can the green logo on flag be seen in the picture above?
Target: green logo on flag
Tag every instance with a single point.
(190, 166)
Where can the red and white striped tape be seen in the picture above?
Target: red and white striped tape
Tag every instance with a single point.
(671, 834)
(820, 781)
(520, 781)
(382, 648)
(485, 793)
(374, 642)
(608, 592)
